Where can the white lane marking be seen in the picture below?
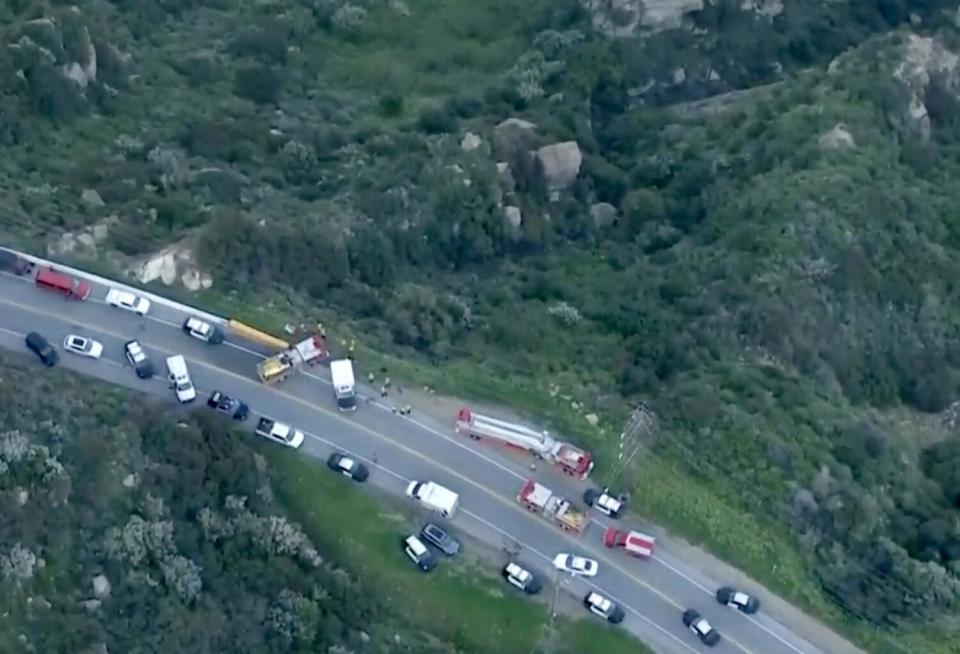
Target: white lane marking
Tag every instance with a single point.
(193, 311)
(744, 615)
(109, 283)
(499, 530)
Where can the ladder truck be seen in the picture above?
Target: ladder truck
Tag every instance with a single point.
(307, 352)
(538, 498)
(571, 459)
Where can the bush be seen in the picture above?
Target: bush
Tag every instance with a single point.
(259, 84)
(436, 120)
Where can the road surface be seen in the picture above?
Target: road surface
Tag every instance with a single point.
(653, 593)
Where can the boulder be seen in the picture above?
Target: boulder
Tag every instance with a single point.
(513, 216)
(505, 176)
(101, 586)
(470, 141)
(604, 214)
(130, 481)
(91, 604)
(838, 137)
(516, 123)
(561, 164)
(91, 198)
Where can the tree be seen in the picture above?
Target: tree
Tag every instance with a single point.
(259, 84)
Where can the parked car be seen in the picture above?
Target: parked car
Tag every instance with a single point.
(127, 301)
(138, 359)
(519, 577)
(576, 565)
(85, 347)
(417, 552)
(203, 331)
(699, 626)
(348, 467)
(739, 600)
(230, 406)
(604, 607)
(439, 538)
(40, 346)
(603, 502)
(13, 263)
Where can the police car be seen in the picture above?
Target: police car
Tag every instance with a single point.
(202, 331)
(739, 600)
(603, 502)
(700, 627)
(346, 466)
(603, 607)
(519, 577)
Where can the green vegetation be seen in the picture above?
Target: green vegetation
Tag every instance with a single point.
(129, 526)
(467, 606)
(505, 202)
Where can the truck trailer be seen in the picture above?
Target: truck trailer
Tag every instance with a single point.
(538, 498)
(344, 385)
(571, 459)
(307, 352)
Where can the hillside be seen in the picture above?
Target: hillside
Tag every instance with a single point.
(129, 528)
(739, 214)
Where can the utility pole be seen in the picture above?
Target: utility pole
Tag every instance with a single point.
(641, 428)
(559, 581)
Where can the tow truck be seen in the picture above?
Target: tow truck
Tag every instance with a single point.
(571, 459)
(538, 498)
(307, 352)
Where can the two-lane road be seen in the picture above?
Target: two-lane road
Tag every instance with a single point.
(653, 593)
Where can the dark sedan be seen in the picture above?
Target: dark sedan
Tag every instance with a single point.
(737, 599)
(348, 467)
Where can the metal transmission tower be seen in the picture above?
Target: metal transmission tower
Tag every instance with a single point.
(641, 429)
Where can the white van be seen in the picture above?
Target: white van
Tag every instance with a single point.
(180, 379)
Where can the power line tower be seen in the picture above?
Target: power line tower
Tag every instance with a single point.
(641, 430)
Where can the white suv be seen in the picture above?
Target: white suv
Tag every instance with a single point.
(417, 552)
(127, 301)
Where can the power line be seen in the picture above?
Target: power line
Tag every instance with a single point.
(642, 423)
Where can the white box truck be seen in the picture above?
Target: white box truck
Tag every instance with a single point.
(179, 379)
(434, 496)
(344, 386)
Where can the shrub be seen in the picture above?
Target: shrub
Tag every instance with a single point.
(436, 120)
(259, 84)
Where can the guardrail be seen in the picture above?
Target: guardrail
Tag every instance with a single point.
(103, 281)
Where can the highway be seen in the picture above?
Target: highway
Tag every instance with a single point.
(653, 593)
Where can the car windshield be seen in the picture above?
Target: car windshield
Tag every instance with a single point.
(184, 386)
(78, 342)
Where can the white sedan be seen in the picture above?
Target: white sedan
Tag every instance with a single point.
(576, 565)
(127, 301)
(85, 347)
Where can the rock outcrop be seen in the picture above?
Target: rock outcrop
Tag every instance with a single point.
(560, 163)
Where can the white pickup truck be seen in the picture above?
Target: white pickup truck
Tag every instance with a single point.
(434, 496)
(279, 433)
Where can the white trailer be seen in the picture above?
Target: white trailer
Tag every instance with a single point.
(344, 385)
(571, 459)
(434, 496)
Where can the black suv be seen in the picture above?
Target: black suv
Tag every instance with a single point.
(42, 348)
(439, 538)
